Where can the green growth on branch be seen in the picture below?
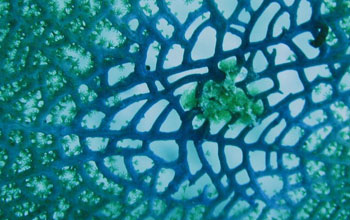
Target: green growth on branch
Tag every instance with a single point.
(220, 102)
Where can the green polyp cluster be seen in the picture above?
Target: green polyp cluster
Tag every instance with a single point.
(340, 7)
(221, 101)
(188, 99)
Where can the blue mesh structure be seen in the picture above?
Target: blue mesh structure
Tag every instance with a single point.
(108, 109)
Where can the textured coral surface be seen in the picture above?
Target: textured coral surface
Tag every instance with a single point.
(174, 109)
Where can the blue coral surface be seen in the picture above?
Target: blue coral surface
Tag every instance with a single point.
(174, 109)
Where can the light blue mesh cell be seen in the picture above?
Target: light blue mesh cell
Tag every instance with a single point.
(174, 109)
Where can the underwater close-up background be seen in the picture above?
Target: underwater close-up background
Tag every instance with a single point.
(174, 109)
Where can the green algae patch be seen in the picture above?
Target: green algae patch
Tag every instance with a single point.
(188, 99)
(221, 101)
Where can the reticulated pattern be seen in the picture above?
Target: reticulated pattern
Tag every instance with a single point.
(164, 109)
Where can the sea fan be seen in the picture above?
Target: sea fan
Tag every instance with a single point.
(174, 109)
